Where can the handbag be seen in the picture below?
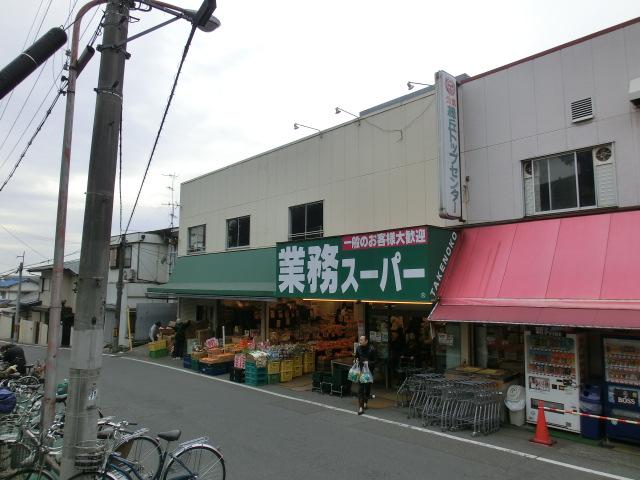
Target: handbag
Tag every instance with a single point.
(354, 372)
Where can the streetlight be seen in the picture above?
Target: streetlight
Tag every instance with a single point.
(205, 21)
(411, 85)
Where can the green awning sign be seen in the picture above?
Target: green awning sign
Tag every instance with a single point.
(394, 265)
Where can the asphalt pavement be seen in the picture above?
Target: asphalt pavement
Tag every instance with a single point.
(279, 434)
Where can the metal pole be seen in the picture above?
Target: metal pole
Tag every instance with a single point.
(116, 324)
(16, 323)
(88, 335)
(55, 308)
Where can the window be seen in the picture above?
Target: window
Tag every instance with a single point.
(46, 284)
(196, 239)
(306, 221)
(113, 256)
(238, 232)
(570, 181)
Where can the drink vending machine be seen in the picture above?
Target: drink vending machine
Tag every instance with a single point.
(622, 388)
(555, 367)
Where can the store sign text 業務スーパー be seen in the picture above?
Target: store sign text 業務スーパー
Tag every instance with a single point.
(398, 265)
(449, 146)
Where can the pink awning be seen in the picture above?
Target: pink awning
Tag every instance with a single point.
(579, 271)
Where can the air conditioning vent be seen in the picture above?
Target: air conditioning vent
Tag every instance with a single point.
(528, 169)
(602, 154)
(582, 110)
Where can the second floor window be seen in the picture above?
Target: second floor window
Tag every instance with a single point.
(570, 181)
(238, 230)
(306, 221)
(46, 284)
(197, 238)
(113, 256)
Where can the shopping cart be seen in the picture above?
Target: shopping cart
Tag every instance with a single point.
(420, 392)
(410, 385)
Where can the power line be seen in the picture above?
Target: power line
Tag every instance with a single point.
(164, 117)
(22, 241)
(61, 91)
(24, 104)
(42, 21)
(50, 260)
(30, 142)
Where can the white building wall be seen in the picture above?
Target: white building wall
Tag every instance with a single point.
(524, 112)
(369, 177)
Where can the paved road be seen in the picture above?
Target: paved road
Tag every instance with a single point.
(271, 437)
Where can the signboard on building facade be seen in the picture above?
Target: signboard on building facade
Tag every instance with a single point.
(394, 265)
(449, 146)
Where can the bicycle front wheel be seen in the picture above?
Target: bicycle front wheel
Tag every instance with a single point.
(98, 476)
(142, 454)
(31, 474)
(198, 461)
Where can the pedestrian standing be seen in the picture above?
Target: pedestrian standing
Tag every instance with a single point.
(154, 331)
(366, 356)
(180, 344)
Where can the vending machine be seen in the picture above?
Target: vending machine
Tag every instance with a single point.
(622, 389)
(555, 365)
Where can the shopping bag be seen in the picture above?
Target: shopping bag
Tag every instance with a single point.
(354, 372)
(365, 374)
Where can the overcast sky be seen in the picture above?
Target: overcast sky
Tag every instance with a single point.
(243, 86)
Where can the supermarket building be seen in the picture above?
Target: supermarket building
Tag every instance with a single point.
(539, 253)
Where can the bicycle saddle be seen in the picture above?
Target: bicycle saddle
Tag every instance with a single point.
(170, 436)
(106, 433)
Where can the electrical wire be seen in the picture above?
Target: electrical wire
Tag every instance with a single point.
(164, 117)
(42, 21)
(50, 260)
(33, 137)
(24, 104)
(22, 241)
(403, 129)
(35, 17)
(61, 91)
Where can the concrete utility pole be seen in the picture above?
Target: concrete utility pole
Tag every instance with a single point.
(119, 286)
(55, 309)
(88, 336)
(16, 322)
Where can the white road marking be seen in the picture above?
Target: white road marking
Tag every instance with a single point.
(470, 441)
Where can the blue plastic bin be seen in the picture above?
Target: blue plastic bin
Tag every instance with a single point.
(591, 402)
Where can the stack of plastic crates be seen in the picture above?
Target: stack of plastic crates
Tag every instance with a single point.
(273, 371)
(286, 370)
(255, 376)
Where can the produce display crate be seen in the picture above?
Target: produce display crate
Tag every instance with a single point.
(198, 355)
(273, 367)
(309, 357)
(309, 363)
(286, 376)
(251, 369)
(215, 368)
(256, 380)
(236, 375)
(297, 371)
(158, 353)
(286, 366)
(273, 378)
(155, 346)
(297, 362)
(186, 361)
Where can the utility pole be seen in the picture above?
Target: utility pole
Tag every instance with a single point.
(88, 336)
(55, 309)
(16, 322)
(119, 286)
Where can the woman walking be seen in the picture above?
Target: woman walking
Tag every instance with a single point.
(365, 356)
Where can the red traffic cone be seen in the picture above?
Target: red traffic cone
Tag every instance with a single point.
(542, 432)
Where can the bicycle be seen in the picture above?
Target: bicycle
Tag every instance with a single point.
(183, 463)
(39, 460)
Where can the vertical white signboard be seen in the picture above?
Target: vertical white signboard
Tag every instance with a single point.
(449, 146)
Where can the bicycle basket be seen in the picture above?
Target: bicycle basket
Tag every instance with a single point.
(90, 455)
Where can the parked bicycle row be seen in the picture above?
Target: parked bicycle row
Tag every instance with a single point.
(118, 452)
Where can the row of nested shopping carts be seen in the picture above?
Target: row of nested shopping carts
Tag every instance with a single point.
(452, 403)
